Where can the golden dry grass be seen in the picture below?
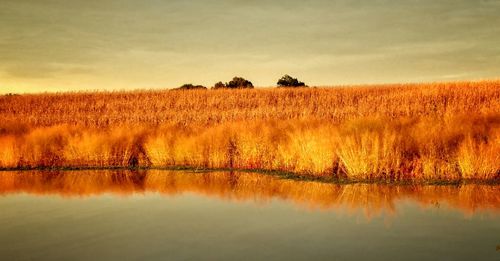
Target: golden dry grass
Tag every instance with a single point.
(441, 131)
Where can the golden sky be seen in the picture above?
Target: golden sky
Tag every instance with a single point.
(61, 45)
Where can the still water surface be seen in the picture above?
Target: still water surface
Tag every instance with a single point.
(173, 215)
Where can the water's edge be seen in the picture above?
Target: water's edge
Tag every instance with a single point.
(276, 173)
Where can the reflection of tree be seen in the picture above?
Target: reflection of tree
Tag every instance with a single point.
(373, 199)
(233, 180)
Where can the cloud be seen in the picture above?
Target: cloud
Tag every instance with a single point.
(148, 43)
(43, 70)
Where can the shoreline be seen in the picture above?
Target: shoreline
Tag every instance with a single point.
(276, 173)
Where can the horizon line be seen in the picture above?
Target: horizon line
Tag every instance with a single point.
(159, 89)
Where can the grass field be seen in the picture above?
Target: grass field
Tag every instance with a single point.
(439, 131)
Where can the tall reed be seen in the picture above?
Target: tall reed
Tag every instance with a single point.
(445, 131)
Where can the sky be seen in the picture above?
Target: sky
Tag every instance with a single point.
(71, 45)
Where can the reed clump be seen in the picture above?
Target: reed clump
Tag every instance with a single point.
(438, 132)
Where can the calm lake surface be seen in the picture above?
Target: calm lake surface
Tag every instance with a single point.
(174, 215)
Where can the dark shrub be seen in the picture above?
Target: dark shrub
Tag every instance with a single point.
(238, 82)
(289, 81)
(219, 85)
(190, 86)
(235, 83)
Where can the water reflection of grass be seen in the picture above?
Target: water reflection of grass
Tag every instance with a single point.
(275, 173)
(373, 199)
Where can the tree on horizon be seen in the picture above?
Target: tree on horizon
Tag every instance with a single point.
(235, 83)
(289, 81)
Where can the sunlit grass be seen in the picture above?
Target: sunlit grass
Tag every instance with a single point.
(446, 131)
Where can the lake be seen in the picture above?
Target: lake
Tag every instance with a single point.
(182, 215)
